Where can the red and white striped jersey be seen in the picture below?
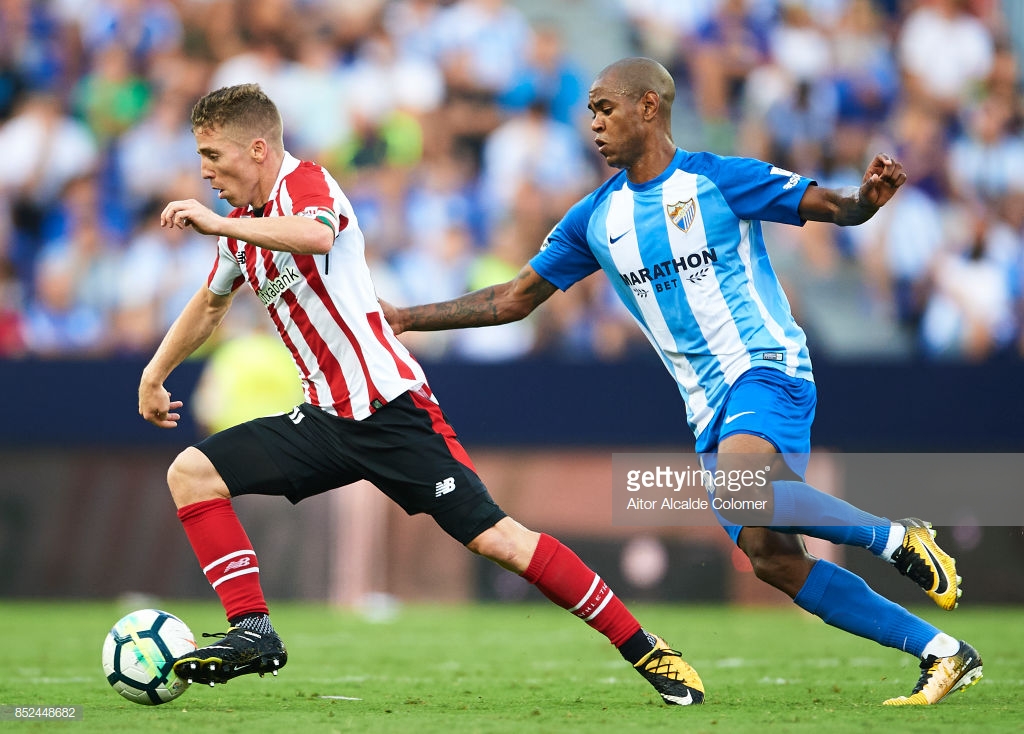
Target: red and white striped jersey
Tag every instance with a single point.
(324, 306)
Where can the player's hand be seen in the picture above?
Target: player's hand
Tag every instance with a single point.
(883, 177)
(155, 406)
(190, 213)
(391, 314)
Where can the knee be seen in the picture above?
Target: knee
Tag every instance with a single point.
(777, 570)
(494, 545)
(783, 565)
(192, 478)
(507, 543)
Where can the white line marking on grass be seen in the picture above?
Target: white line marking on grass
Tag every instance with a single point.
(730, 663)
(340, 698)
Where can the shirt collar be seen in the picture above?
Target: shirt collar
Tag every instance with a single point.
(288, 164)
(674, 164)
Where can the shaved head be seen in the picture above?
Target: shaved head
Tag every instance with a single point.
(633, 77)
(631, 103)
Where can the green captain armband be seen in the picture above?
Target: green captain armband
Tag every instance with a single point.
(326, 220)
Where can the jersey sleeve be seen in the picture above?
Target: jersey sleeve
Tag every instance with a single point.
(757, 190)
(226, 276)
(565, 257)
(312, 196)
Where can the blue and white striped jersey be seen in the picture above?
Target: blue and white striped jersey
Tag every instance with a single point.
(686, 255)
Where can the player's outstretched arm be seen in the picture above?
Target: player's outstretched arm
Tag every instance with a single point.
(190, 330)
(496, 304)
(300, 235)
(855, 204)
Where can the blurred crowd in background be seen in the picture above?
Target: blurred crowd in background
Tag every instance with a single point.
(459, 131)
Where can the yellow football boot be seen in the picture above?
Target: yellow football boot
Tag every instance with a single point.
(922, 561)
(671, 676)
(942, 676)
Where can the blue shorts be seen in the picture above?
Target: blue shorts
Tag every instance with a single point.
(768, 403)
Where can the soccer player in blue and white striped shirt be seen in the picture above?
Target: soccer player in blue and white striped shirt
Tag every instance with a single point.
(679, 236)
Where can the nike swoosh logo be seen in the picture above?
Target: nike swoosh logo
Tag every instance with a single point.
(943, 583)
(681, 700)
(613, 240)
(731, 418)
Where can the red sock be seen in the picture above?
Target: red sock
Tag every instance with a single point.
(225, 554)
(563, 578)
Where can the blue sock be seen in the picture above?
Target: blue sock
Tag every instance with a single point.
(799, 508)
(843, 600)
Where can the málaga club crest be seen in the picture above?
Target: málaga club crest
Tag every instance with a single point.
(682, 213)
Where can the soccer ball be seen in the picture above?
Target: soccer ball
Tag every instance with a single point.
(139, 652)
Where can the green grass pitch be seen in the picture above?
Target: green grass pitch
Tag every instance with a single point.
(515, 668)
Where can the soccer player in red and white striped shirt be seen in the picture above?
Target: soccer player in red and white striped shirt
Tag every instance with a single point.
(294, 240)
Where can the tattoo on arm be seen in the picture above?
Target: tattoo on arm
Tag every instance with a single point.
(473, 309)
(498, 304)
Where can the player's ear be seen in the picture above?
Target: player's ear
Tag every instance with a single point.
(258, 150)
(650, 102)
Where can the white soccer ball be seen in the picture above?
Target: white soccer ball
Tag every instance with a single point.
(139, 652)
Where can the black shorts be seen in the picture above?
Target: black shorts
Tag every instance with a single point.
(407, 449)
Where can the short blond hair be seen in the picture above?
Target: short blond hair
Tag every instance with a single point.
(244, 108)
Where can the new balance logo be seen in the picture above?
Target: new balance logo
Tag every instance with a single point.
(442, 488)
(240, 563)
